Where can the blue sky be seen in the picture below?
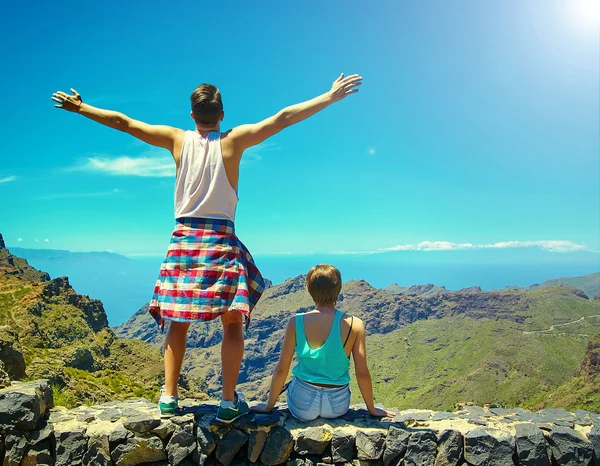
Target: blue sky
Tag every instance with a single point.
(476, 127)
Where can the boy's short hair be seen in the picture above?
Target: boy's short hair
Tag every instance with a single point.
(207, 105)
(324, 283)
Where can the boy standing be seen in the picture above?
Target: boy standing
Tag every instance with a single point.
(208, 272)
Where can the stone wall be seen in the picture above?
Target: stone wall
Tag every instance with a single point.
(131, 432)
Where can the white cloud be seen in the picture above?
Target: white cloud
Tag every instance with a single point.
(255, 153)
(148, 165)
(430, 246)
(371, 151)
(46, 240)
(73, 195)
(35, 240)
(8, 179)
(546, 245)
(19, 240)
(154, 163)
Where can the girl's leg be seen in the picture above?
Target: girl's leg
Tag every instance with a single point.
(174, 352)
(232, 352)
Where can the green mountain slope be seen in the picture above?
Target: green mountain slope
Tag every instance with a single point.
(437, 363)
(428, 351)
(582, 390)
(589, 284)
(63, 336)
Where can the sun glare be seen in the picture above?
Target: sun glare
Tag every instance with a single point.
(585, 13)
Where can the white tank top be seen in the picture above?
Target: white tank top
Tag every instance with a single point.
(202, 188)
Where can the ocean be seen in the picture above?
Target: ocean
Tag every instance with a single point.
(124, 285)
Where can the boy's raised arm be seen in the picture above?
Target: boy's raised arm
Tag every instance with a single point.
(156, 135)
(246, 136)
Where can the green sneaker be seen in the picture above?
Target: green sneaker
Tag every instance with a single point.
(167, 405)
(229, 412)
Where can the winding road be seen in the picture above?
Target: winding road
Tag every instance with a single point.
(551, 329)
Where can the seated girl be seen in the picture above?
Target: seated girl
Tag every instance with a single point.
(323, 340)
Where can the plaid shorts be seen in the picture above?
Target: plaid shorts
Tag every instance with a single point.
(207, 272)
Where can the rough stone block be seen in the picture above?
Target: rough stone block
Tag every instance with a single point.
(395, 445)
(450, 448)
(138, 449)
(207, 440)
(142, 423)
(342, 445)
(421, 449)
(229, 445)
(118, 435)
(313, 441)
(531, 445)
(569, 448)
(278, 447)
(98, 451)
(23, 404)
(485, 447)
(39, 454)
(181, 444)
(256, 443)
(164, 429)
(71, 445)
(15, 444)
(594, 437)
(370, 444)
(109, 414)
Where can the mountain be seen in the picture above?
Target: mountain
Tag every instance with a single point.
(430, 350)
(49, 331)
(589, 284)
(581, 390)
(123, 284)
(415, 290)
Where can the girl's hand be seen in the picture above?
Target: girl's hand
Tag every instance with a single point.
(70, 103)
(261, 408)
(381, 412)
(343, 87)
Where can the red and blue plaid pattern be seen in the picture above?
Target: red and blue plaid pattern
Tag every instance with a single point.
(207, 272)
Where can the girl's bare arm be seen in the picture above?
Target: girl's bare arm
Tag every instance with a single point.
(283, 367)
(363, 376)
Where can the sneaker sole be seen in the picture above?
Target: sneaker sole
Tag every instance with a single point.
(229, 421)
(166, 415)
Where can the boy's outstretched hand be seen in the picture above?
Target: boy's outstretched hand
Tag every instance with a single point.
(343, 87)
(70, 103)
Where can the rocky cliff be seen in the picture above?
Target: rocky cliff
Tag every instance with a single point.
(47, 330)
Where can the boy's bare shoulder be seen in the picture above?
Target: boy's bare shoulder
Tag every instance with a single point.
(228, 146)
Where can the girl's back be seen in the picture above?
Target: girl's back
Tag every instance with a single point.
(318, 328)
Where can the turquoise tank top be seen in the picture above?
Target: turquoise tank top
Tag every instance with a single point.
(327, 364)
